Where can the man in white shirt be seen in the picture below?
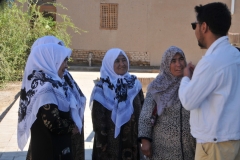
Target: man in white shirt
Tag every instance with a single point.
(212, 92)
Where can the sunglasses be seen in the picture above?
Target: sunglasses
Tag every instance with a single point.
(194, 25)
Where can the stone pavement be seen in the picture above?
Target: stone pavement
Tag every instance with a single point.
(8, 126)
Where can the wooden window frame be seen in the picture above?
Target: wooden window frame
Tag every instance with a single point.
(109, 16)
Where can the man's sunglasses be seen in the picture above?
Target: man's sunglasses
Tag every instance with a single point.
(194, 25)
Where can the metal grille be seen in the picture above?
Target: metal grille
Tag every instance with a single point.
(109, 16)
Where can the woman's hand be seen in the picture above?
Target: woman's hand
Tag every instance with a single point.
(104, 147)
(75, 130)
(146, 148)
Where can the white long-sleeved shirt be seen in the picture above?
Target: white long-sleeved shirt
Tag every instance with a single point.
(213, 94)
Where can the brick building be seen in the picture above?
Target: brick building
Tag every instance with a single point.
(142, 28)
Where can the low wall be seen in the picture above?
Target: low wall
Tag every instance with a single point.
(80, 57)
(145, 82)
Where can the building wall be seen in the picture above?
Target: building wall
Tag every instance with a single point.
(144, 26)
(95, 57)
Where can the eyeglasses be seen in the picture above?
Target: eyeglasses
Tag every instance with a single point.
(194, 25)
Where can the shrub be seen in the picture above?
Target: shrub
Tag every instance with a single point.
(20, 26)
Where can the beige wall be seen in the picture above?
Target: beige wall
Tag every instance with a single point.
(143, 25)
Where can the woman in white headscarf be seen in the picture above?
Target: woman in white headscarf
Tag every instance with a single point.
(47, 106)
(78, 138)
(164, 129)
(116, 104)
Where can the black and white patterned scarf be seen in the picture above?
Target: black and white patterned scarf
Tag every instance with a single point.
(78, 94)
(74, 88)
(164, 88)
(41, 85)
(115, 92)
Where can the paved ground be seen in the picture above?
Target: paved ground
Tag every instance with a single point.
(8, 126)
(8, 96)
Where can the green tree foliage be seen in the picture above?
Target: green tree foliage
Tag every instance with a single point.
(21, 23)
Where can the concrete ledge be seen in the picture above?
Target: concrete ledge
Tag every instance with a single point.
(145, 82)
(139, 69)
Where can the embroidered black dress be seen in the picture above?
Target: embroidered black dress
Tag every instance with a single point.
(77, 139)
(126, 145)
(51, 135)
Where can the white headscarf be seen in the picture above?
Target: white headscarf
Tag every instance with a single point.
(41, 85)
(116, 92)
(47, 39)
(75, 89)
(164, 88)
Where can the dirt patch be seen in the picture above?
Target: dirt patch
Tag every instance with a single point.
(8, 96)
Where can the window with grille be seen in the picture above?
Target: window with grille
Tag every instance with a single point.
(109, 16)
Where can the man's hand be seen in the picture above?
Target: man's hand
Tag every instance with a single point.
(188, 70)
(146, 148)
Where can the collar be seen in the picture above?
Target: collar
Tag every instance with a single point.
(215, 44)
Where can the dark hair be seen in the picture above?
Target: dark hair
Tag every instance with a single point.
(216, 15)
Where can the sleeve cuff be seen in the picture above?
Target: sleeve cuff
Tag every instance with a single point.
(185, 79)
(140, 139)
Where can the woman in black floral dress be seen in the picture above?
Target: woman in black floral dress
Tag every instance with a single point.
(47, 106)
(78, 138)
(164, 129)
(117, 101)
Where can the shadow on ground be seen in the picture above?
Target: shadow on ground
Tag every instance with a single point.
(21, 155)
(4, 113)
